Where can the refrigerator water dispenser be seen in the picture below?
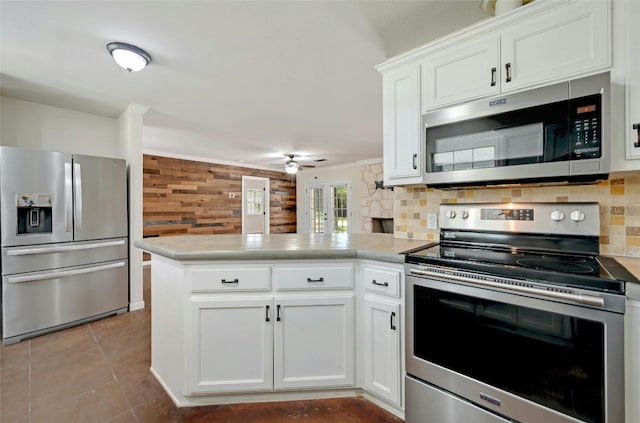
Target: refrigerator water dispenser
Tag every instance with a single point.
(34, 213)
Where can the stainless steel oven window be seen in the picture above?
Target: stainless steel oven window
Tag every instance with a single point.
(526, 358)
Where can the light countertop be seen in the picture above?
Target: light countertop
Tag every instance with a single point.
(381, 247)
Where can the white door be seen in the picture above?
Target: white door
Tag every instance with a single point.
(632, 11)
(314, 342)
(232, 345)
(461, 73)
(382, 372)
(401, 126)
(255, 205)
(573, 39)
(329, 207)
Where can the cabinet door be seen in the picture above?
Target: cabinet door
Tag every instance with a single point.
(563, 42)
(632, 81)
(382, 371)
(314, 342)
(401, 122)
(232, 349)
(461, 73)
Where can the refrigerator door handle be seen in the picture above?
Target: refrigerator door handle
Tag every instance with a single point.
(77, 185)
(63, 249)
(63, 274)
(68, 198)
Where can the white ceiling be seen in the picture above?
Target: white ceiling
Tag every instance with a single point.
(229, 80)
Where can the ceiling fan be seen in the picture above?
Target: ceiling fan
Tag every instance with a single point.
(292, 166)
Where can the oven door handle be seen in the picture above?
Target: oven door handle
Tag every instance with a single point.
(592, 300)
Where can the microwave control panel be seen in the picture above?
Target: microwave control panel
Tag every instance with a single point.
(586, 127)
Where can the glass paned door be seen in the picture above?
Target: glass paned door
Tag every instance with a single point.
(255, 205)
(328, 207)
(339, 196)
(317, 210)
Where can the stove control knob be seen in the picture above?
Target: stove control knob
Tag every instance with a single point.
(464, 214)
(577, 215)
(557, 215)
(451, 214)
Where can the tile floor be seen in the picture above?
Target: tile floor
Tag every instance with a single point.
(99, 372)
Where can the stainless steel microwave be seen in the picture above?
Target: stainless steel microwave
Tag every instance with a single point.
(555, 133)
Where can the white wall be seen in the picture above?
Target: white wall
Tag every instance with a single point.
(33, 125)
(37, 126)
(351, 173)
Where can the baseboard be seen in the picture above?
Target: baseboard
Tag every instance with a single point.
(136, 306)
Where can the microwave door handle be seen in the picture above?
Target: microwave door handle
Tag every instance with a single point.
(68, 198)
(77, 179)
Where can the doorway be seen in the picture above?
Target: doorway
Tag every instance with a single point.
(328, 207)
(255, 205)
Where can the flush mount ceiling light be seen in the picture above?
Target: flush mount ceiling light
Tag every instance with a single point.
(128, 56)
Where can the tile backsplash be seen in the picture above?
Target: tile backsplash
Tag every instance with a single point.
(619, 199)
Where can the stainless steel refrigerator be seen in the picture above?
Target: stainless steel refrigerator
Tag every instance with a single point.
(64, 240)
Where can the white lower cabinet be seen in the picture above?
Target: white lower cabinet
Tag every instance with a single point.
(314, 342)
(382, 352)
(243, 339)
(232, 346)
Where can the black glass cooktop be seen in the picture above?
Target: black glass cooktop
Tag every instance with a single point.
(571, 270)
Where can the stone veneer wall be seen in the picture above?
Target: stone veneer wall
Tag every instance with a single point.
(374, 202)
(619, 200)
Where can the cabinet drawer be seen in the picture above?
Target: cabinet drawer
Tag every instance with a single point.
(313, 277)
(382, 281)
(231, 279)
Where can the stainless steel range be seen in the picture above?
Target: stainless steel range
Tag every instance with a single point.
(514, 316)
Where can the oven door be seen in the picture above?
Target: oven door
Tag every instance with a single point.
(525, 358)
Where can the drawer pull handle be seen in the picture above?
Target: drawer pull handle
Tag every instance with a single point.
(393, 314)
(278, 313)
(493, 76)
(375, 282)
(315, 280)
(413, 161)
(636, 126)
(233, 281)
(507, 67)
(267, 319)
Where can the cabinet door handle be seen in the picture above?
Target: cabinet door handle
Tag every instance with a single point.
(278, 313)
(493, 76)
(507, 67)
(393, 314)
(413, 161)
(266, 318)
(315, 280)
(636, 126)
(233, 281)
(375, 282)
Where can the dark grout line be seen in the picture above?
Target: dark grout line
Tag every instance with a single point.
(113, 373)
(29, 383)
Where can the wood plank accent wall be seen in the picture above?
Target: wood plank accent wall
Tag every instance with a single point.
(189, 197)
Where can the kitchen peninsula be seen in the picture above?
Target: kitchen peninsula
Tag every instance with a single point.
(274, 317)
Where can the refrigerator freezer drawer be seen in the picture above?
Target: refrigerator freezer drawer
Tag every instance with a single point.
(34, 258)
(37, 301)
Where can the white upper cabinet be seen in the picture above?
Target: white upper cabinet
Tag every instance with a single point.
(555, 43)
(466, 71)
(632, 81)
(572, 40)
(401, 125)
